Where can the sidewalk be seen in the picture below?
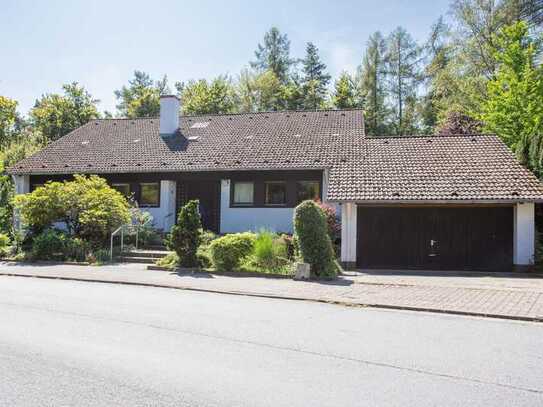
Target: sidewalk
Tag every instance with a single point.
(500, 296)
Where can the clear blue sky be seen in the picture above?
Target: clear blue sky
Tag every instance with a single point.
(100, 43)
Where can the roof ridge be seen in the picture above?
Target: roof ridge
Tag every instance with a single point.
(236, 114)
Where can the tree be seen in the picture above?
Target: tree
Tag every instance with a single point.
(186, 235)
(458, 123)
(437, 55)
(274, 55)
(344, 96)
(88, 206)
(141, 98)
(315, 79)
(372, 86)
(261, 92)
(514, 108)
(206, 97)
(402, 66)
(8, 119)
(56, 115)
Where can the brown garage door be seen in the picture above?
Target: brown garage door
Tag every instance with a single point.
(435, 238)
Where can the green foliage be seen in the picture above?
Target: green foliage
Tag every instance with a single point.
(372, 85)
(171, 261)
(185, 236)
(56, 115)
(141, 98)
(227, 252)
(274, 55)
(4, 244)
(403, 75)
(269, 251)
(48, 245)
(89, 207)
(213, 97)
(8, 120)
(514, 107)
(315, 79)
(344, 96)
(312, 238)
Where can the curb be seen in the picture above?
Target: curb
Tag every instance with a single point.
(292, 298)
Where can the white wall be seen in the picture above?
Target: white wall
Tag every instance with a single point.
(348, 233)
(243, 219)
(164, 216)
(524, 234)
(22, 186)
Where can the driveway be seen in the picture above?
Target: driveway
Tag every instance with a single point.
(70, 343)
(513, 296)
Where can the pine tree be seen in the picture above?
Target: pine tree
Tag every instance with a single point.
(315, 79)
(274, 55)
(403, 76)
(372, 86)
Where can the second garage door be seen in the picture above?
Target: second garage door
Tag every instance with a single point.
(438, 238)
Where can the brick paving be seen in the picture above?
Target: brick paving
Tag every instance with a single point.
(508, 296)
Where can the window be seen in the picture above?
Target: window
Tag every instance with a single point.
(308, 190)
(276, 193)
(150, 194)
(122, 188)
(243, 193)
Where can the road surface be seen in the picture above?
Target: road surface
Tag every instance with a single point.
(68, 343)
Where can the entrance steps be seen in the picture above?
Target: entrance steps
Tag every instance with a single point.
(145, 256)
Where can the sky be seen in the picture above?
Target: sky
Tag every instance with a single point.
(100, 43)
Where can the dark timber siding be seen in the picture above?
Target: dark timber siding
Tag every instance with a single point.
(437, 238)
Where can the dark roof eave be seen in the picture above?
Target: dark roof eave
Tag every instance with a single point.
(431, 201)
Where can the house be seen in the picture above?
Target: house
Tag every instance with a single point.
(451, 202)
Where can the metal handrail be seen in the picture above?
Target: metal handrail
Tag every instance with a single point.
(121, 229)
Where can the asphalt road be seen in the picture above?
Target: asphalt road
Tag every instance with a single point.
(90, 344)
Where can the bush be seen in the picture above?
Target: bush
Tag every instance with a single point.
(4, 244)
(186, 235)
(171, 261)
(88, 206)
(76, 249)
(228, 251)
(313, 240)
(290, 246)
(48, 245)
(269, 251)
(332, 225)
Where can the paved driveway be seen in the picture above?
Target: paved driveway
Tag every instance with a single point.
(506, 296)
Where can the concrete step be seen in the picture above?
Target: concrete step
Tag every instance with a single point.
(151, 254)
(157, 247)
(143, 260)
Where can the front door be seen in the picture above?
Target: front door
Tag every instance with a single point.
(208, 194)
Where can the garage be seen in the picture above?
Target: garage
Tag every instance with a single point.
(435, 238)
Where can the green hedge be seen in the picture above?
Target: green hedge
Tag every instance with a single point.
(312, 239)
(227, 252)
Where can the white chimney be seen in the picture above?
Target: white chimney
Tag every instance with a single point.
(169, 115)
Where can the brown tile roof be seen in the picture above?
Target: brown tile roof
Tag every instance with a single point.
(444, 168)
(278, 140)
(361, 169)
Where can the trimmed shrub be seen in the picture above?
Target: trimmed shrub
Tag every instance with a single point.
(186, 235)
(76, 249)
(269, 251)
(313, 240)
(48, 245)
(227, 252)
